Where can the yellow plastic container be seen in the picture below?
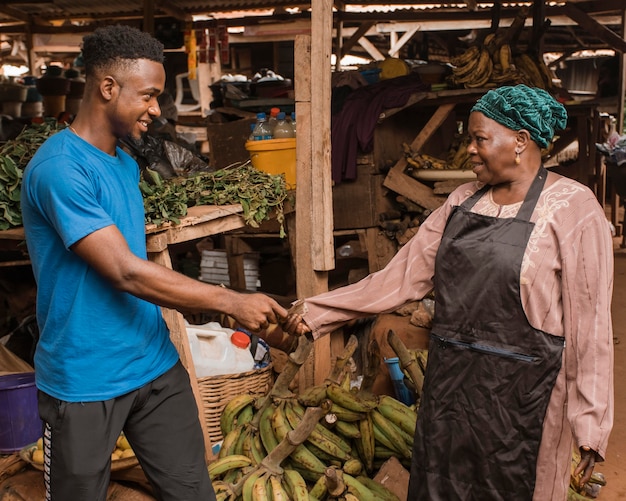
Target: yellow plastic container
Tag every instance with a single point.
(275, 156)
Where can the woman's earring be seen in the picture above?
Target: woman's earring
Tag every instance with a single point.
(518, 160)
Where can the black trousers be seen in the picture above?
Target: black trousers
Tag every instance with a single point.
(161, 423)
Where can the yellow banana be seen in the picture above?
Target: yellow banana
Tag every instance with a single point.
(221, 466)
(398, 413)
(462, 72)
(367, 441)
(232, 408)
(238, 447)
(260, 490)
(321, 436)
(381, 492)
(344, 414)
(313, 395)
(296, 484)
(528, 67)
(233, 476)
(229, 442)
(351, 400)
(249, 482)
(256, 448)
(382, 452)
(347, 429)
(399, 446)
(505, 57)
(483, 67)
(302, 456)
(268, 438)
(352, 467)
(319, 489)
(246, 414)
(278, 491)
(357, 489)
(469, 55)
(223, 491)
(349, 497)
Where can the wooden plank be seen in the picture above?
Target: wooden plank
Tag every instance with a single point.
(407, 186)
(201, 230)
(433, 124)
(594, 28)
(412, 189)
(322, 241)
(356, 36)
(308, 281)
(196, 215)
(322, 203)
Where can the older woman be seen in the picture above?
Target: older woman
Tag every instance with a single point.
(520, 359)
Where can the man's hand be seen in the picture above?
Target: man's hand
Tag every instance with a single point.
(256, 312)
(586, 465)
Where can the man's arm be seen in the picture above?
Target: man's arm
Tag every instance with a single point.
(108, 253)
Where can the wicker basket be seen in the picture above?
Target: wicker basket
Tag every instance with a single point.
(217, 391)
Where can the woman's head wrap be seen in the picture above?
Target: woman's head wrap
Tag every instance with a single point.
(521, 107)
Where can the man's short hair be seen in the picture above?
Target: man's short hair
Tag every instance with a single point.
(117, 45)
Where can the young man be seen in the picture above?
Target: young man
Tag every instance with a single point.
(104, 362)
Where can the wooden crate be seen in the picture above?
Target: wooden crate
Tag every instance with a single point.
(358, 203)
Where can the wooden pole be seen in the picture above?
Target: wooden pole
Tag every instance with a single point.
(314, 210)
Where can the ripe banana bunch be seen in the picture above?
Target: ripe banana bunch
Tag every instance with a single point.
(473, 68)
(357, 434)
(458, 156)
(324, 443)
(419, 160)
(535, 71)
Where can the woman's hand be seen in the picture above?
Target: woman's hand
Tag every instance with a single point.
(294, 325)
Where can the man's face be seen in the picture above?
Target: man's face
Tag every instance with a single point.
(134, 104)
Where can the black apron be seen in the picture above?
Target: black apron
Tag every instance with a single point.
(490, 373)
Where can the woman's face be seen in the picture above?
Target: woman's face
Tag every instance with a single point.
(492, 150)
(135, 104)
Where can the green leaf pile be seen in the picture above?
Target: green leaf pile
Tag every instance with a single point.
(14, 156)
(261, 195)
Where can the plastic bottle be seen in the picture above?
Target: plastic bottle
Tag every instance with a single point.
(251, 136)
(244, 360)
(273, 118)
(214, 353)
(293, 122)
(261, 129)
(283, 129)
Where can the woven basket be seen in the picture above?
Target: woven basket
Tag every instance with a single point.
(217, 391)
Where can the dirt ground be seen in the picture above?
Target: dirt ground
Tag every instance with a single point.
(614, 468)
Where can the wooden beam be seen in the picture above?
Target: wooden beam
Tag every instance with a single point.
(594, 27)
(321, 49)
(308, 281)
(395, 48)
(371, 49)
(356, 36)
(172, 10)
(148, 16)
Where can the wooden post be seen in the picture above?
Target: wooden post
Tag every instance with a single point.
(314, 248)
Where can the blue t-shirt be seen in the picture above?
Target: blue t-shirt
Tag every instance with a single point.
(96, 343)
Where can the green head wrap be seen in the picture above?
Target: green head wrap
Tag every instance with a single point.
(521, 107)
